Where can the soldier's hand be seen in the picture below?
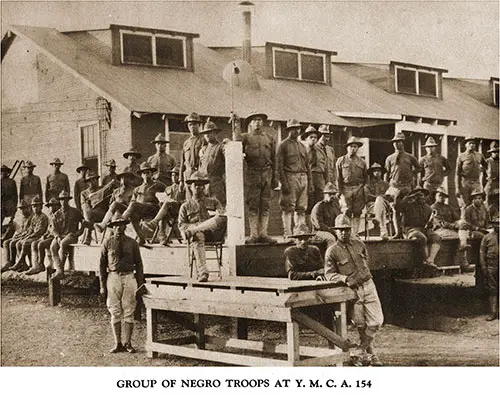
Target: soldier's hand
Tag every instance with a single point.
(103, 294)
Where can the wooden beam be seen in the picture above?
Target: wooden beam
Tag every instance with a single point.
(327, 361)
(151, 330)
(292, 338)
(181, 340)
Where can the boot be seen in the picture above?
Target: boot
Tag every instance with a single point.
(433, 252)
(127, 330)
(383, 230)
(493, 301)
(253, 221)
(140, 236)
(38, 268)
(162, 235)
(287, 225)
(59, 273)
(21, 265)
(150, 225)
(7, 266)
(117, 334)
(263, 237)
(201, 262)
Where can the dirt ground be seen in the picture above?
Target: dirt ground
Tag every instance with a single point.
(77, 333)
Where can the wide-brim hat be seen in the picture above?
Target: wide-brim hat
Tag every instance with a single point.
(442, 191)
(430, 142)
(82, 167)
(28, 164)
(342, 221)
(398, 136)
(56, 161)
(132, 152)
(193, 118)
(23, 204)
(36, 201)
(493, 147)
(145, 166)
(110, 163)
(125, 174)
(198, 178)
(309, 131)
(421, 190)
(478, 192)
(293, 123)
(330, 188)
(256, 114)
(91, 175)
(470, 138)
(64, 196)
(353, 141)
(324, 129)
(52, 202)
(160, 138)
(4, 168)
(118, 221)
(209, 127)
(376, 166)
(302, 232)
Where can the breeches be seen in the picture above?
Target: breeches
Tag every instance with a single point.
(423, 235)
(490, 274)
(258, 191)
(296, 198)
(354, 197)
(217, 189)
(121, 299)
(466, 189)
(367, 308)
(318, 181)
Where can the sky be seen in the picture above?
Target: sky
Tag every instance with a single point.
(461, 36)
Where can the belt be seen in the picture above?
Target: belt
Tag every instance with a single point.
(120, 273)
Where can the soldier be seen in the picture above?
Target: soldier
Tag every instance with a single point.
(469, 166)
(347, 262)
(31, 185)
(111, 176)
(401, 170)
(259, 149)
(133, 167)
(417, 213)
(434, 167)
(80, 185)
(488, 254)
(492, 166)
(37, 227)
(121, 272)
(93, 211)
(67, 229)
(9, 194)
(476, 219)
(318, 165)
(304, 261)
(176, 191)
(162, 161)
(213, 162)
(190, 160)
(57, 181)
(294, 174)
(324, 213)
(197, 225)
(144, 203)
(41, 245)
(120, 199)
(377, 202)
(326, 153)
(352, 176)
(21, 228)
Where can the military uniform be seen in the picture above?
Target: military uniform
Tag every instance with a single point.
(55, 185)
(134, 169)
(352, 176)
(477, 219)
(213, 164)
(190, 160)
(303, 264)
(434, 168)
(80, 186)
(377, 204)
(401, 167)
(176, 192)
(468, 171)
(320, 172)
(164, 164)
(323, 217)
(10, 245)
(446, 220)
(492, 166)
(9, 197)
(39, 247)
(488, 254)
(30, 187)
(109, 178)
(37, 227)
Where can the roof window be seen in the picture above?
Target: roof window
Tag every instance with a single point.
(417, 80)
(494, 90)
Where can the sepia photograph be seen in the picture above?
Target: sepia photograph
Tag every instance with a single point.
(250, 183)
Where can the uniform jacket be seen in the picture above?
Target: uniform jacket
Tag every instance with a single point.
(415, 214)
(55, 184)
(375, 188)
(190, 160)
(31, 185)
(347, 259)
(38, 225)
(351, 171)
(176, 192)
(80, 186)
(434, 168)
(9, 197)
(146, 193)
(324, 213)
(469, 165)
(303, 264)
(488, 251)
(122, 195)
(67, 222)
(401, 168)
(164, 164)
(212, 160)
(446, 213)
(196, 211)
(477, 216)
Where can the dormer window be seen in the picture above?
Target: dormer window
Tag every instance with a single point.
(152, 47)
(298, 63)
(417, 80)
(494, 90)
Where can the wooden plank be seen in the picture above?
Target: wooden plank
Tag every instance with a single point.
(326, 361)
(151, 329)
(240, 326)
(200, 331)
(342, 321)
(293, 342)
(54, 288)
(181, 340)
(320, 297)
(208, 355)
(320, 329)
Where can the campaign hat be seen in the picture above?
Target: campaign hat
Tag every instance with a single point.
(477, 192)
(443, 191)
(353, 141)
(198, 178)
(175, 170)
(146, 166)
(91, 175)
(325, 130)
(125, 174)
(342, 221)
(493, 147)
(160, 138)
(255, 113)
(293, 123)
(470, 138)
(420, 189)
(64, 195)
(36, 201)
(52, 202)
(110, 163)
(309, 131)
(398, 136)
(302, 232)
(376, 166)
(210, 126)
(82, 167)
(23, 204)
(117, 220)
(330, 188)
(193, 117)
(56, 160)
(28, 164)
(132, 152)
(430, 142)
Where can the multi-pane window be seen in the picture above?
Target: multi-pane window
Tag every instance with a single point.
(413, 81)
(89, 139)
(495, 92)
(299, 65)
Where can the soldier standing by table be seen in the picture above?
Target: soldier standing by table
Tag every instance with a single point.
(488, 254)
(163, 162)
(323, 215)
(304, 261)
(133, 167)
(326, 150)
(80, 185)
(469, 166)
(57, 181)
(434, 167)
(401, 170)
(492, 166)
(121, 272)
(9, 194)
(376, 200)
(347, 262)
(213, 162)
(111, 176)
(31, 185)
(352, 177)
(259, 148)
(190, 160)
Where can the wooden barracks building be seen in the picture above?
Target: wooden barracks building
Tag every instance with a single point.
(88, 96)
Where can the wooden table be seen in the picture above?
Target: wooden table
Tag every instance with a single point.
(262, 298)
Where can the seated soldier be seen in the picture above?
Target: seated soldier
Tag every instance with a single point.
(416, 215)
(68, 226)
(111, 176)
(377, 202)
(197, 224)
(21, 230)
(120, 199)
(493, 205)
(133, 156)
(93, 202)
(38, 247)
(169, 210)
(80, 185)
(304, 261)
(144, 203)
(323, 215)
(38, 226)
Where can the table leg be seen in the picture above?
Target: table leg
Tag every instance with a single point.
(293, 342)
(151, 330)
(341, 321)
(200, 331)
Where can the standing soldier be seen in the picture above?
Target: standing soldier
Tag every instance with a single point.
(57, 181)
(433, 168)
(259, 149)
(327, 152)
(133, 167)
(475, 220)
(491, 187)
(80, 185)
(162, 161)
(488, 255)
(294, 174)
(377, 202)
(469, 166)
(121, 273)
(111, 176)
(190, 160)
(324, 213)
(213, 162)
(401, 170)
(22, 228)
(31, 185)
(318, 163)
(352, 177)
(9, 193)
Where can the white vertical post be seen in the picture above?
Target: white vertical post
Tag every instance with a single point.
(235, 207)
(167, 133)
(444, 153)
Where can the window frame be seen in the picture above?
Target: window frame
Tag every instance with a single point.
(299, 60)
(417, 86)
(495, 98)
(81, 126)
(153, 36)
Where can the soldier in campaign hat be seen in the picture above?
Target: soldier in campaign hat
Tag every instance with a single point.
(326, 154)
(162, 161)
(133, 156)
(80, 185)
(324, 213)
(492, 166)
(190, 159)
(488, 259)
(433, 168)
(470, 164)
(303, 261)
(111, 176)
(31, 185)
(377, 202)
(57, 181)
(94, 204)
(317, 164)
(9, 194)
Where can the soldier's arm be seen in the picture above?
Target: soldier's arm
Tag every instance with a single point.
(103, 267)
(139, 267)
(388, 169)
(21, 189)
(183, 218)
(331, 268)
(458, 176)
(280, 164)
(292, 272)
(340, 182)
(483, 248)
(274, 180)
